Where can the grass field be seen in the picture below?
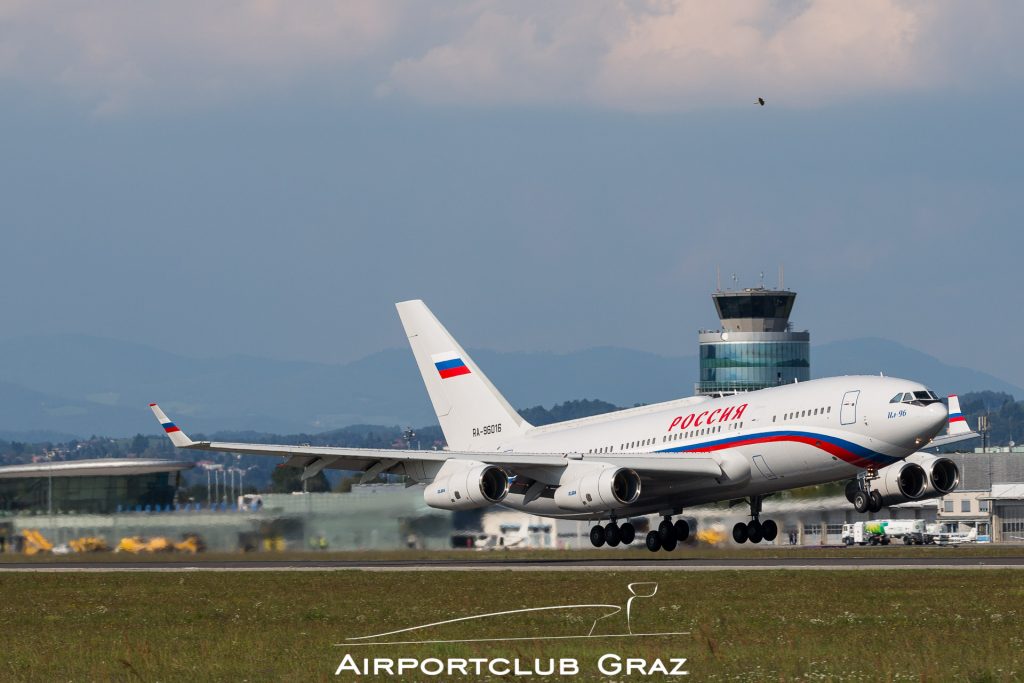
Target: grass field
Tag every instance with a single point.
(922, 625)
(638, 552)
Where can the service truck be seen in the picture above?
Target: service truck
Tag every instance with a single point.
(883, 531)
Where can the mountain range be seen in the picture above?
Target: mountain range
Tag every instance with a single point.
(53, 387)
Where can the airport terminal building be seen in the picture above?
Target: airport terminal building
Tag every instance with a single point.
(115, 499)
(89, 486)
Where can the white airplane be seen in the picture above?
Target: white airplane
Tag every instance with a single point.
(657, 458)
(956, 537)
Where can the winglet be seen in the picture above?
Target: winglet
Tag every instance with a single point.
(957, 421)
(178, 437)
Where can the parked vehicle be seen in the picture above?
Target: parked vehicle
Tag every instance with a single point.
(884, 531)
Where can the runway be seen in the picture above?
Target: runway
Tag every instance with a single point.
(611, 564)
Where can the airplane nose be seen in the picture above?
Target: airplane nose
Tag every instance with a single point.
(937, 416)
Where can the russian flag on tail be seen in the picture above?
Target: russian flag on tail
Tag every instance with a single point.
(449, 364)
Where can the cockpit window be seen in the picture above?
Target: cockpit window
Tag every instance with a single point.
(897, 398)
(917, 398)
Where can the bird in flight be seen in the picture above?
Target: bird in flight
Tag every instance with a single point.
(760, 100)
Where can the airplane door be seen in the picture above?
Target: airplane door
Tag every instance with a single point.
(848, 412)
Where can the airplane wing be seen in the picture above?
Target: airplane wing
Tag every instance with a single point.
(946, 439)
(957, 429)
(373, 461)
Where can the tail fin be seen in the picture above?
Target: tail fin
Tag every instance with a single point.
(473, 415)
(957, 421)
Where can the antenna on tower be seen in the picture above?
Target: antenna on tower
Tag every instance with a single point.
(782, 276)
(718, 278)
(734, 281)
(762, 279)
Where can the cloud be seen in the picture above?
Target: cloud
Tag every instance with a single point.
(702, 53)
(119, 55)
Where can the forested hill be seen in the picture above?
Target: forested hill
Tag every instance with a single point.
(570, 410)
(1005, 417)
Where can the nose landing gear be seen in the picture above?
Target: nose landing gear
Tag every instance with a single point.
(755, 530)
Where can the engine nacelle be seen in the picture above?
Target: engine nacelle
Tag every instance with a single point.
(465, 485)
(605, 487)
(901, 482)
(943, 474)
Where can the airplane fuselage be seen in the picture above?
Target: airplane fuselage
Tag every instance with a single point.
(794, 435)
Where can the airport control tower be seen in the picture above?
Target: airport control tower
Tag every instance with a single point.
(756, 347)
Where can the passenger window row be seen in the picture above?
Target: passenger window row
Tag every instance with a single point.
(704, 431)
(810, 412)
(693, 433)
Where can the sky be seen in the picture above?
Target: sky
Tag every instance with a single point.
(268, 178)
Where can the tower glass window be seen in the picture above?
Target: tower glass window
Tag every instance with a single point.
(755, 347)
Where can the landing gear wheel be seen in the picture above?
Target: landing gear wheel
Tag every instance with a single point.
(597, 535)
(907, 540)
(669, 544)
(769, 529)
(682, 530)
(861, 501)
(739, 532)
(627, 533)
(666, 531)
(653, 541)
(612, 535)
(885, 541)
(875, 504)
(754, 532)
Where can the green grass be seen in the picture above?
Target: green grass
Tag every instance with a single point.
(637, 551)
(922, 625)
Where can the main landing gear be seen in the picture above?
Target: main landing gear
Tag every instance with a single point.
(755, 530)
(859, 492)
(612, 534)
(668, 535)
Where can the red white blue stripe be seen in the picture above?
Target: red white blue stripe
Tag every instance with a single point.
(850, 452)
(170, 427)
(956, 417)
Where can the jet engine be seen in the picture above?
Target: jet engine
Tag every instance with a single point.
(465, 485)
(604, 487)
(901, 482)
(943, 474)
